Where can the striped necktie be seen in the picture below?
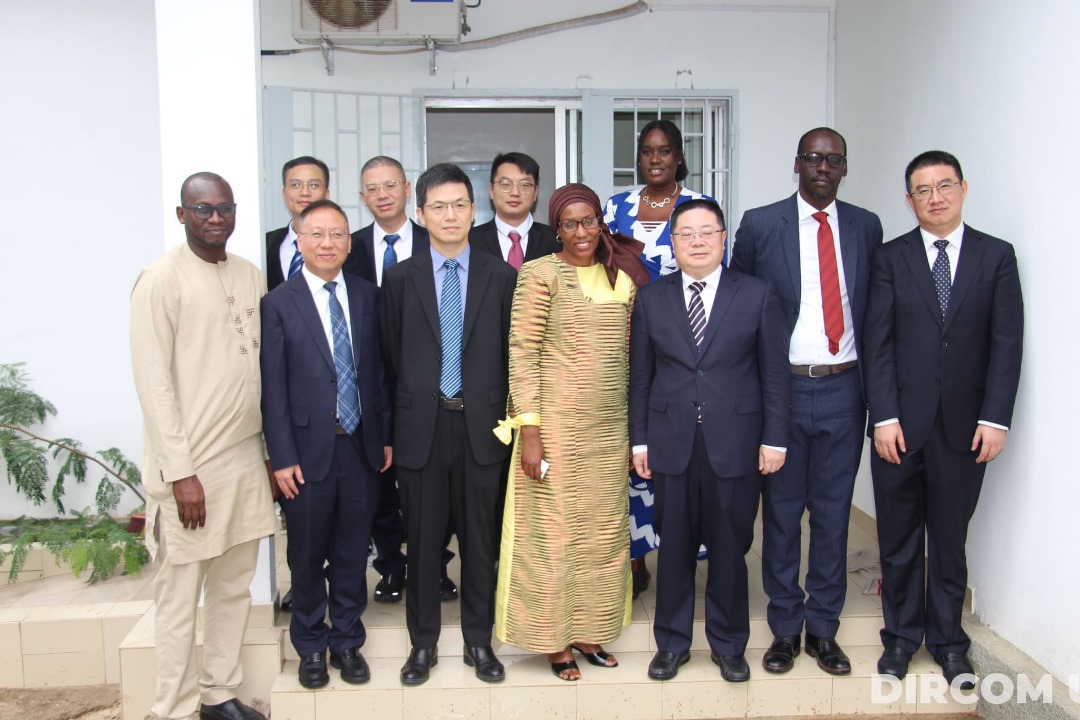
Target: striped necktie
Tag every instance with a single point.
(696, 312)
(348, 398)
(450, 327)
(296, 263)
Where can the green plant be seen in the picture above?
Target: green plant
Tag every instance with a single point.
(88, 540)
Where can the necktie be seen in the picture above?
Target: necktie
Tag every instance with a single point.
(942, 272)
(831, 307)
(389, 258)
(516, 256)
(450, 325)
(348, 398)
(296, 263)
(696, 312)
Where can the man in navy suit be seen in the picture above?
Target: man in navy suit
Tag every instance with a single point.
(944, 340)
(815, 251)
(513, 234)
(326, 419)
(709, 393)
(304, 180)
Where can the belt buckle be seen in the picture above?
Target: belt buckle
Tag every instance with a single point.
(810, 370)
(452, 403)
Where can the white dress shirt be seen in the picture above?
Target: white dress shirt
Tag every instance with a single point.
(504, 229)
(287, 250)
(402, 248)
(809, 344)
(322, 303)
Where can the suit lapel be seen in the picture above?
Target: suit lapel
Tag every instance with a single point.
(789, 238)
(966, 268)
(356, 312)
(677, 303)
(423, 279)
(849, 251)
(479, 277)
(488, 238)
(726, 290)
(305, 305)
(915, 256)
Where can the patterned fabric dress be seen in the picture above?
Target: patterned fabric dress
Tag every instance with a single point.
(564, 574)
(621, 215)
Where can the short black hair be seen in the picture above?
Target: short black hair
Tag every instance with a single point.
(808, 133)
(523, 161)
(382, 161)
(319, 205)
(697, 204)
(674, 138)
(204, 175)
(305, 160)
(441, 174)
(932, 157)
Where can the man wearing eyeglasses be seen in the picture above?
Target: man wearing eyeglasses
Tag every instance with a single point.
(513, 234)
(815, 251)
(445, 325)
(944, 340)
(326, 416)
(304, 180)
(195, 343)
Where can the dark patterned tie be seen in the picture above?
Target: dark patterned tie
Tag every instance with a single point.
(296, 263)
(389, 258)
(942, 272)
(348, 398)
(450, 325)
(696, 312)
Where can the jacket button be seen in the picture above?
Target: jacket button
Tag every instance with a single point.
(700, 372)
(434, 396)
(331, 413)
(333, 381)
(944, 343)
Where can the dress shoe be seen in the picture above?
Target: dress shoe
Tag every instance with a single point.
(830, 657)
(894, 662)
(390, 587)
(286, 602)
(416, 669)
(665, 665)
(488, 667)
(733, 668)
(954, 664)
(447, 588)
(780, 657)
(313, 672)
(353, 667)
(641, 580)
(229, 710)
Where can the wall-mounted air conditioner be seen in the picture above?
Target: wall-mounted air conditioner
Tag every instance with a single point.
(378, 22)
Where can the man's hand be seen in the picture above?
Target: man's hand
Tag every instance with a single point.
(770, 460)
(190, 502)
(991, 439)
(887, 439)
(532, 451)
(388, 457)
(287, 479)
(274, 492)
(641, 465)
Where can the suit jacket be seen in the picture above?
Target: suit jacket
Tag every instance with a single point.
(299, 382)
(361, 260)
(412, 349)
(767, 246)
(485, 238)
(968, 365)
(740, 377)
(274, 276)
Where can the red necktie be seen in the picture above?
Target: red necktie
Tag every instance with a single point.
(831, 307)
(516, 256)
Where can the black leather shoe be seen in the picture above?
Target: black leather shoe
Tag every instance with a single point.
(447, 588)
(229, 710)
(733, 668)
(665, 665)
(780, 657)
(416, 669)
(954, 664)
(353, 667)
(488, 667)
(313, 672)
(390, 588)
(830, 657)
(286, 602)
(894, 662)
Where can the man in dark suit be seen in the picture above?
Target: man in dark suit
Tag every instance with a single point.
(709, 394)
(326, 419)
(445, 328)
(944, 340)
(513, 234)
(304, 180)
(815, 251)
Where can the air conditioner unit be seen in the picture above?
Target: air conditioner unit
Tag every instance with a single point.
(378, 22)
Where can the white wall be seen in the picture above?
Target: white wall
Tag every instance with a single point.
(82, 205)
(994, 83)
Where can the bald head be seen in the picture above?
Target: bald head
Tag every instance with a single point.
(203, 179)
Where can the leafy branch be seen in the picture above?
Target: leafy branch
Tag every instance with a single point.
(86, 541)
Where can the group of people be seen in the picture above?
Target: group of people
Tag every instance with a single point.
(410, 381)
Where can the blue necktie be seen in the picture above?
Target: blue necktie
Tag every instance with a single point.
(348, 398)
(296, 263)
(389, 258)
(450, 325)
(942, 272)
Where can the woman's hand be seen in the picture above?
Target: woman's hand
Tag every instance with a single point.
(532, 451)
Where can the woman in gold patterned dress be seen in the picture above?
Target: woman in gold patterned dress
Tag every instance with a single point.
(564, 581)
